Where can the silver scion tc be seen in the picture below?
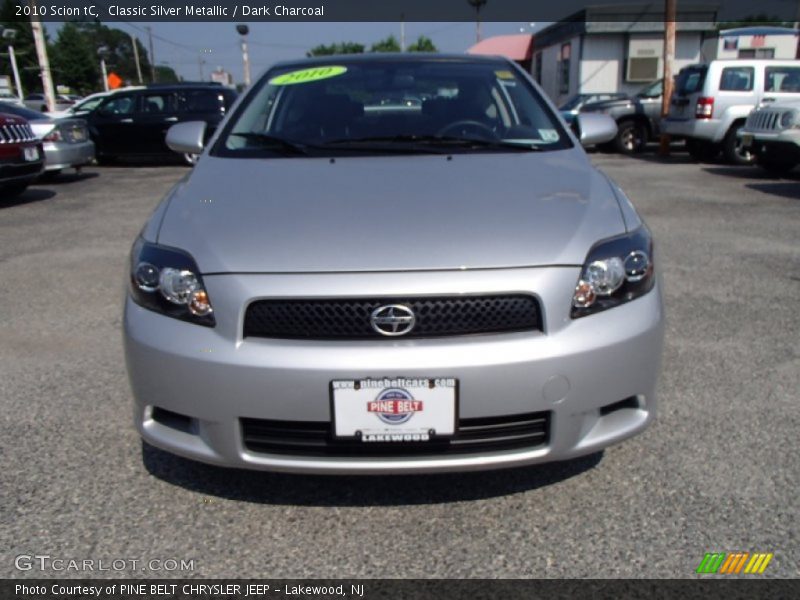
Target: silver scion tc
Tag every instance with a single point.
(343, 285)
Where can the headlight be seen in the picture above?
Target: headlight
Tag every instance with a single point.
(167, 281)
(616, 271)
(787, 119)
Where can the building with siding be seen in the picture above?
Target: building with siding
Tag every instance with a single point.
(754, 42)
(616, 48)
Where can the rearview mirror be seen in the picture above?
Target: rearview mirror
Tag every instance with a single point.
(595, 128)
(187, 138)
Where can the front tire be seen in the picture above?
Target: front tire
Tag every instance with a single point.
(631, 137)
(733, 150)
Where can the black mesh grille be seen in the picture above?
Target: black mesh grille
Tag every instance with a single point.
(314, 438)
(350, 318)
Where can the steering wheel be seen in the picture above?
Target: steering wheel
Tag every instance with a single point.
(464, 125)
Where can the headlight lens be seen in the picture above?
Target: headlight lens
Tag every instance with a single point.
(167, 281)
(617, 270)
(787, 119)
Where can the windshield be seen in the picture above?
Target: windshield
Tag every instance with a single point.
(385, 106)
(88, 104)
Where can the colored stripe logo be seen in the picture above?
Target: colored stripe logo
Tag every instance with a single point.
(734, 563)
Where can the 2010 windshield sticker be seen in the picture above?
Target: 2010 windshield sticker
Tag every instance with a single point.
(308, 75)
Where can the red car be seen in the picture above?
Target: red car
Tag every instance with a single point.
(21, 155)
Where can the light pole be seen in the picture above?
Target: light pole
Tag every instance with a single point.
(477, 5)
(243, 30)
(102, 52)
(9, 35)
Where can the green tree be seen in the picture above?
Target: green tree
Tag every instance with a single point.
(340, 48)
(389, 44)
(165, 74)
(754, 20)
(24, 48)
(120, 58)
(72, 61)
(423, 44)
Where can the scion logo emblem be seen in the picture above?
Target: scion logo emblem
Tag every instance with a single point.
(393, 319)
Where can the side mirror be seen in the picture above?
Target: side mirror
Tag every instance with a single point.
(187, 138)
(595, 128)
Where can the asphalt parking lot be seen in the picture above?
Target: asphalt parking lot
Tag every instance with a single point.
(718, 472)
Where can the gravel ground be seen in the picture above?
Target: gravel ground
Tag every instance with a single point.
(718, 472)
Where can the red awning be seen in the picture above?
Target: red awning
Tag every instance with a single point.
(516, 47)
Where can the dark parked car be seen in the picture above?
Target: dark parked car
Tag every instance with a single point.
(21, 155)
(637, 118)
(135, 123)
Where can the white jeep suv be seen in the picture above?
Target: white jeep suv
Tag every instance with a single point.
(772, 133)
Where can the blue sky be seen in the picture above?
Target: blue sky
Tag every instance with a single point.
(182, 45)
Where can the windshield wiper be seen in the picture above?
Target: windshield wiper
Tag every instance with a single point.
(433, 141)
(271, 142)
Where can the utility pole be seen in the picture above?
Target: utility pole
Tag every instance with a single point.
(152, 56)
(200, 62)
(243, 30)
(104, 71)
(41, 54)
(102, 52)
(136, 58)
(669, 57)
(402, 33)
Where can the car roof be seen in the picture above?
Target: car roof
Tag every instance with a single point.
(408, 57)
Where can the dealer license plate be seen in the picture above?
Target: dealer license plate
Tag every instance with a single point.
(394, 409)
(31, 154)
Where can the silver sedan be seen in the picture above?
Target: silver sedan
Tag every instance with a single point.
(65, 141)
(338, 289)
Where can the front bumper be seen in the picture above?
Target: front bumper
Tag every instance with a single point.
(64, 155)
(19, 172)
(781, 145)
(574, 368)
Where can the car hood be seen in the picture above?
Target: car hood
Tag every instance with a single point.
(386, 213)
